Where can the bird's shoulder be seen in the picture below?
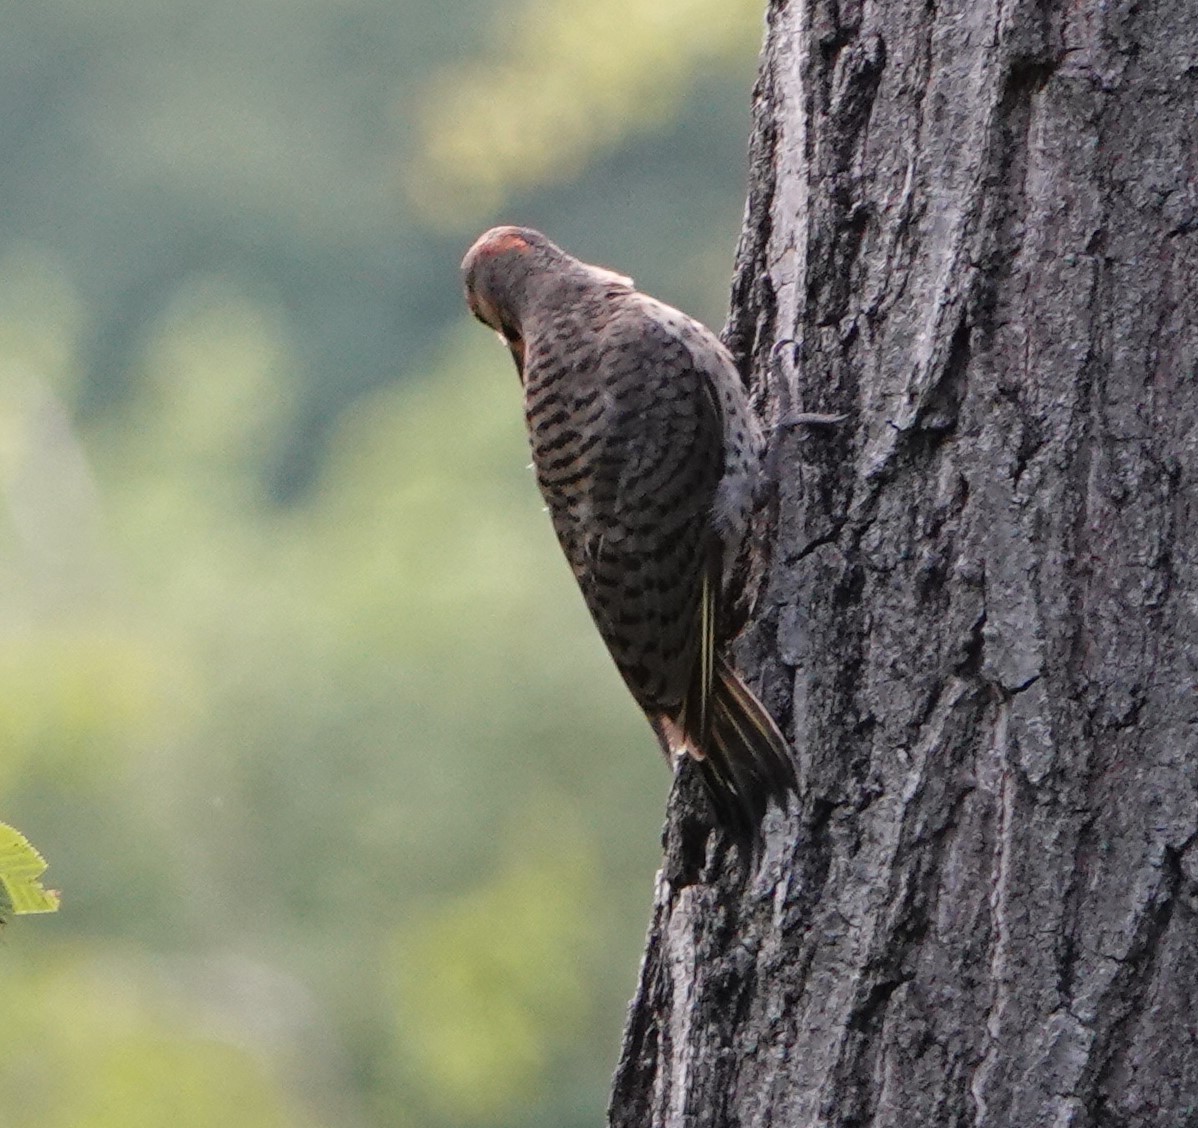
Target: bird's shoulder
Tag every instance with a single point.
(636, 323)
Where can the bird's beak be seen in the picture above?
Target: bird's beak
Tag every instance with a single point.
(515, 346)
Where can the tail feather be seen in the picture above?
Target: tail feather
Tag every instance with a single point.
(745, 759)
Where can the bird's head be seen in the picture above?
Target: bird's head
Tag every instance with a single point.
(496, 273)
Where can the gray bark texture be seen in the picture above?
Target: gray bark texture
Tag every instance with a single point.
(973, 228)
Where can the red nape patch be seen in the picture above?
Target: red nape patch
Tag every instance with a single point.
(501, 242)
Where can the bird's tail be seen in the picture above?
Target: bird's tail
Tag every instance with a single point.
(745, 758)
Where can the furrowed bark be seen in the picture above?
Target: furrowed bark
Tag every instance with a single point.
(972, 227)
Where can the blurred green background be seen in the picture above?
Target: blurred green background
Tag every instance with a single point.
(353, 821)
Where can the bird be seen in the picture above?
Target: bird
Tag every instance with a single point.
(648, 457)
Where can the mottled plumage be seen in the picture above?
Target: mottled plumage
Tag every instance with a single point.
(646, 453)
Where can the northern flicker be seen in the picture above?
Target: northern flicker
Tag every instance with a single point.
(647, 454)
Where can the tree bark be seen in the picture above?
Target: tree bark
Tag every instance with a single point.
(973, 227)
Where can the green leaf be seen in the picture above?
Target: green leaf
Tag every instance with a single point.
(21, 867)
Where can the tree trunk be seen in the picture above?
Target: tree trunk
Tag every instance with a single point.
(972, 227)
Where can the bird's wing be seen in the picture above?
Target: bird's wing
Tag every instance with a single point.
(651, 562)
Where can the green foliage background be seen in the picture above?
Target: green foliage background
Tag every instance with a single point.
(353, 822)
